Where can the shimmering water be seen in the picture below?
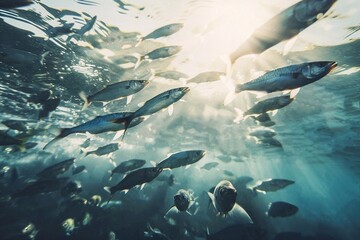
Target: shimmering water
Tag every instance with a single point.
(316, 141)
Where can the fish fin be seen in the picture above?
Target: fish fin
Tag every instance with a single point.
(61, 134)
(140, 104)
(83, 97)
(108, 189)
(140, 40)
(128, 99)
(118, 135)
(273, 113)
(294, 92)
(212, 198)
(43, 57)
(125, 191)
(142, 186)
(239, 215)
(240, 115)
(139, 58)
(188, 212)
(126, 121)
(171, 109)
(153, 163)
(187, 166)
(171, 211)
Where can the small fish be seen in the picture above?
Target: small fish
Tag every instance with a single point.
(283, 26)
(262, 133)
(247, 231)
(175, 75)
(128, 165)
(77, 170)
(206, 77)
(224, 201)
(154, 233)
(289, 77)
(281, 209)
(228, 173)
(114, 91)
(61, 30)
(272, 185)
(15, 3)
(49, 106)
(159, 53)
(112, 147)
(15, 125)
(164, 31)
(183, 200)
(41, 186)
(56, 169)
(86, 143)
(270, 142)
(72, 188)
(155, 104)
(262, 118)
(209, 165)
(134, 178)
(87, 27)
(180, 159)
(107, 123)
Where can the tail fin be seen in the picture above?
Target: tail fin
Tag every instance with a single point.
(126, 121)
(83, 96)
(61, 135)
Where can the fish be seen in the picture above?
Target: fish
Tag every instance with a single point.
(127, 166)
(164, 31)
(206, 77)
(159, 53)
(239, 231)
(262, 133)
(182, 158)
(49, 106)
(87, 27)
(272, 185)
(209, 165)
(72, 188)
(56, 169)
(265, 106)
(7, 140)
(281, 209)
(18, 57)
(107, 149)
(15, 3)
(154, 233)
(283, 26)
(40, 97)
(61, 30)
(289, 77)
(77, 170)
(114, 91)
(155, 104)
(106, 123)
(262, 118)
(223, 199)
(175, 75)
(270, 142)
(41, 186)
(134, 178)
(15, 125)
(183, 200)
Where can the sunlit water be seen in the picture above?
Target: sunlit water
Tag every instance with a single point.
(319, 132)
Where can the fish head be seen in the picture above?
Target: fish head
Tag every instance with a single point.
(138, 84)
(317, 70)
(172, 50)
(196, 155)
(225, 196)
(182, 201)
(310, 10)
(177, 93)
(176, 27)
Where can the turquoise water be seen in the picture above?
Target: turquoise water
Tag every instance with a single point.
(316, 142)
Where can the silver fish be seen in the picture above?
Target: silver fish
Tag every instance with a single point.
(224, 201)
(281, 209)
(128, 165)
(209, 165)
(272, 185)
(164, 31)
(289, 77)
(283, 26)
(269, 104)
(112, 147)
(134, 178)
(114, 91)
(180, 159)
(175, 75)
(262, 133)
(159, 53)
(56, 169)
(107, 123)
(183, 200)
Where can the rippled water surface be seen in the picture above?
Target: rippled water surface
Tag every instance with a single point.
(51, 51)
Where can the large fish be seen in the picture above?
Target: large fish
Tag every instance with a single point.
(224, 201)
(289, 77)
(283, 26)
(114, 91)
(180, 159)
(56, 169)
(107, 123)
(155, 104)
(134, 178)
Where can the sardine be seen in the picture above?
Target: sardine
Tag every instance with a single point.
(209, 165)
(180, 159)
(164, 31)
(112, 147)
(128, 165)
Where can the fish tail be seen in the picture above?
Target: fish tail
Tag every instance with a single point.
(239, 88)
(126, 121)
(83, 97)
(110, 190)
(43, 57)
(62, 134)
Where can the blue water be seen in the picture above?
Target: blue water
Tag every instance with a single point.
(319, 131)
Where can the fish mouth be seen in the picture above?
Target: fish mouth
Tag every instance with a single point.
(332, 66)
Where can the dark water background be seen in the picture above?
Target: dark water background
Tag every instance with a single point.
(319, 132)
